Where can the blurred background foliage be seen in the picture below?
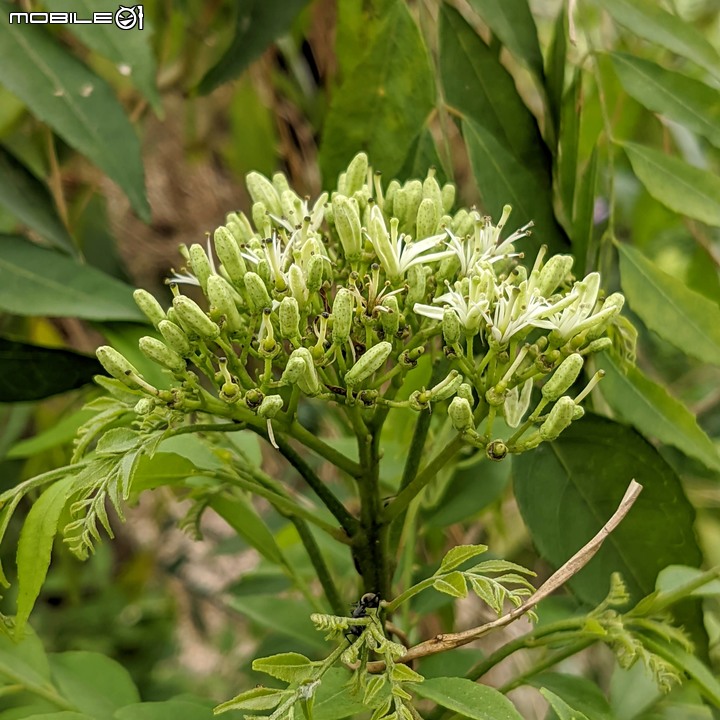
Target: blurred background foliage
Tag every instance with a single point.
(601, 124)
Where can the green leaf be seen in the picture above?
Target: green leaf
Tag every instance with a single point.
(257, 24)
(259, 698)
(561, 708)
(289, 617)
(36, 281)
(289, 667)
(168, 710)
(63, 431)
(568, 489)
(32, 372)
(472, 700)
(24, 660)
(118, 440)
(514, 25)
(648, 20)
(452, 584)
(93, 683)
(679, 315)
(25, 197)
(35, 546)
(555, 67)
(567, 157)
(479, 88)
(423, 155)
(681, 187)
(650, 408)
(402, 673)
(681, 98)
(129, 50)
(163, 468)
(370, 111)
(577, 693)
(80, 106)
(332, 699)
(675, 577)
(62, 715)
(458, 555)
(243, 518)
(583, 226)
(502, 179)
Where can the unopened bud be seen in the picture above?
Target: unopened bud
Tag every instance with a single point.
(257, 292)
(390, 191)
(308, 380)
(451, 327)
(261, 219)
(229, 254)
(563, 377)
(192, 316)
(427, 218)
(200, 265)
(371, 361)
(461, 414)
(159, 352)
(289, 315)
(356, 175)
(149, 306)
(347, 224)
(414, 195)
(175, 337)
(597, 346)
(298, 287)
(465, 391)
(416, 284)
(315, 273)
(262, 190)
(559, 418)
(553, 273)
(220, 294)
(342, 312)
(390, 320)
(496, 450)
(116, 365)
(431, 189)
(270, 406)
(447, 197)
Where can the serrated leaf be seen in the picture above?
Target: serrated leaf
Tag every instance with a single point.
(257, 24)
(679, 315)
(258, 698)
(566, 490)
(458, 555)
(681, 98)
(451, 584)
(374, 94)
(648, 20)
(649, 407)
(80, 106)
(129, 49)
(289, 667)
(472, 700)
(681, 187)
(37, 281)
(32, 372)
(35, 546)
(26, 198)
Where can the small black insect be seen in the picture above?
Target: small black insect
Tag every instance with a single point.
(368, 600)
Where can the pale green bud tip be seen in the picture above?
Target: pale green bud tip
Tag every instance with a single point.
(270, 406)
(447, 387)
(160, 353)
(149, 306)
(175, 337)
(450, 326)
(200, 265)
(289, 315)
(308, 380)
(116, 365)
(428, 215)
(262, 190)
(553, 273)
(229, 254)
(342, 312)
(257, 292)
(559, 418)
(369, 363)
(192, 315)
(356, 174)
(563, 377)
(461, 414)
(347, 224)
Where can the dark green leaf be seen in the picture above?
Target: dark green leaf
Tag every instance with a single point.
(681, 187)
(93, 683)
(648, 20)
(567, 157)
(472, 700)
(555, 67)
(35, 546)
(584, 215)
(257, 24)
(25, 197)
(681, 98)
(514, 25)
(32, 372)
(62, 715)
(37, 281)
(579, 693)
(130, 50)
(676, 313)
(422, 156)
(80, 106)
(371, 110)
(168, 710)
(649, 408)
(568, 489)
(563, 711)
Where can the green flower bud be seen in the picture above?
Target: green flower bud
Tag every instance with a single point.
(116, 365)
(372, 360)
(315, 273)
(257, 292)
(446, 388)
(270, 406)
(414, 195)
(308, 380)
(144, 406)
(461, 414)
(416, 282)
(347, 224)
(465, 391)
(431, 190)
(451, 327)
(390, 320)
(262, 191)
(448, 268)
(553, 273)
(149, 306)
(342, 313)
(563, 377)
(289, 315)
(192, 316)
(159, 352)
(200, 265)
(298, 287)
(175, 337)
(447, 197)
(242, 230)
(427, 218)
(388, 206)
(292, 207)
(597, 345)
(228, 252)
(220, 294)
(356, 175)
(559, 418)
(496, 450)
(294, 368)
(280, 183)
(261, 219)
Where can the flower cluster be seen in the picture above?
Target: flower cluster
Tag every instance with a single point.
(337, 299)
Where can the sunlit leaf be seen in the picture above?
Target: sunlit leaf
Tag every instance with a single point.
(470, 699)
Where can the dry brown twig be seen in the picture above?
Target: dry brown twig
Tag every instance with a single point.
(449, 641)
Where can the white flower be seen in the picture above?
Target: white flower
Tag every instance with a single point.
(517, 401)
(275, 255)
(470, 301)
(577, 316)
